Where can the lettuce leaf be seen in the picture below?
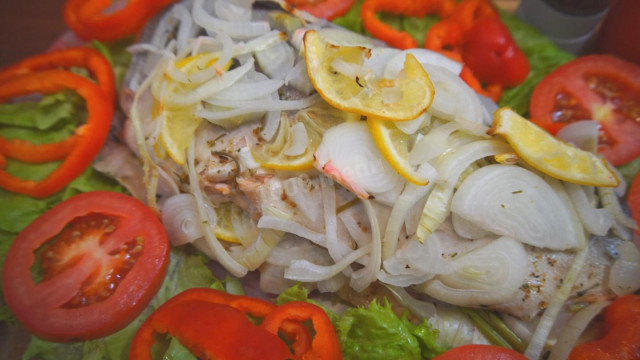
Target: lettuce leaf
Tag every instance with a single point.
(377, 333)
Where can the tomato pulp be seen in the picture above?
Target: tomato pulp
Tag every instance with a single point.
(86, 268)
(594, 87)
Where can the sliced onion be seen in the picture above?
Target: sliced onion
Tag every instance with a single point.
(467, 229)
(292, 248)
(302, 191)
(342, 37)
(298, 78)
(408, 198)
(623, 276)
(235, 29)
(299, 140)
(425, 57)
(276, 60)
(337, 247)
(362, 278)
(247, 107)
(292, 227)
(254, 255)
(180, 219)
(455, 328)
(304, 270)
(271, 124)
(210, 88)
(450, 168)
(233, 10)
(596, 221)
(583, 134)
(422, 309)
(454, 100)
(186, 28)
(575, 327)
(249, 90)
(512, 201)
(357, 164)
(491, 274)
(433, 144)
(610, 202)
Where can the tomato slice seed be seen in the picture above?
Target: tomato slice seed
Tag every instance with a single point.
(86, 236)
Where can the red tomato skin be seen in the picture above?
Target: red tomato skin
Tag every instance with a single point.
(323, 9)
(480, 352)
(572, 79)
(493, 55)
(40, 307)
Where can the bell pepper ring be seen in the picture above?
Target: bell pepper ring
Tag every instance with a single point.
(174, 318)
(325, 344)
(395, 38)
(89, 137)
(83, 57)
(89, 18)
(80, 56)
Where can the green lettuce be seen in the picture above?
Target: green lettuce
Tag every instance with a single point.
(375, 332)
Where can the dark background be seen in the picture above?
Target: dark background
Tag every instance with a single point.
(28, 27)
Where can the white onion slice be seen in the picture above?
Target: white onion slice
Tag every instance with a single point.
(512, 201)
(249, 90)
(342, 37)
(433, 144)
(450, 168)
(362, 278)
(233, 10)
(491, 274)
(210, 88)
(454, 100)
(298, 78)
(292, 227)
(467, 229)
(303, 270)
(409, 127)
(571, 333)
(411, 195)
(247, 107)
(425, 57)
(256, 254)
(583, 134)
(180, 219)
(235, 29)
(299, 140)
(623, 276)
(357, 164)
(277, 60)
(596, 221)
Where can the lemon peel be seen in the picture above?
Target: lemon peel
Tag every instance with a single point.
(394, 144)
(550, 155)
(356, 89)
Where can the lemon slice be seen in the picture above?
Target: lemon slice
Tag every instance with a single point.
(180, 123)
(550, 155)
(394, 144)
(341, 76)
(273, 155)
(224, 227)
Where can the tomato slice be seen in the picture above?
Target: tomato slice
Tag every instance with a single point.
(87, 267)
(480, 352)
(594, 87)
(324, 9)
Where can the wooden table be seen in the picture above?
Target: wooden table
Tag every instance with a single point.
(28, 27)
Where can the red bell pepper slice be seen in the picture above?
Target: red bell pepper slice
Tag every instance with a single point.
(83, 57)
(170, 316)
(325, 344)
(88, 19)
(395, 38)
(621, 340)
(90, 137)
